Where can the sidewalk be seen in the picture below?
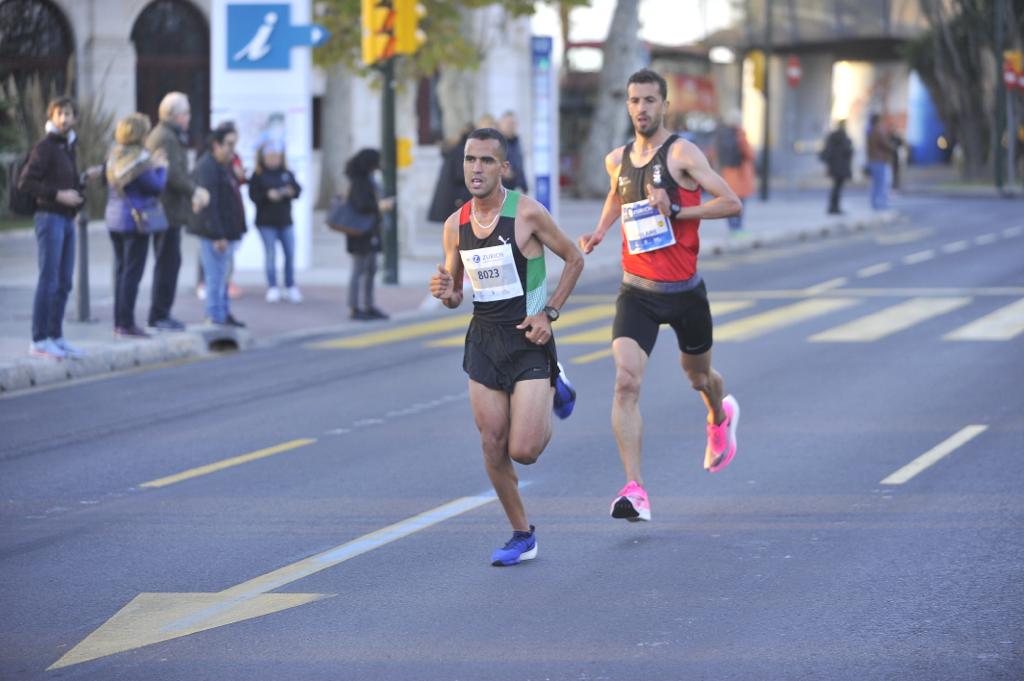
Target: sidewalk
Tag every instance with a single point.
(788, 215)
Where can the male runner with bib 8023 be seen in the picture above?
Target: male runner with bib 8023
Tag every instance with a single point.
(497, 239)
(656, 183)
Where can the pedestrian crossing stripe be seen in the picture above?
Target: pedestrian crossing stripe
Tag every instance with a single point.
(890, 320)
(1002, 324)
(400, 333)
(1005, 323)
(755, 325)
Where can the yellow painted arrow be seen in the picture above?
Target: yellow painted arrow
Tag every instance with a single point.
(155, 617)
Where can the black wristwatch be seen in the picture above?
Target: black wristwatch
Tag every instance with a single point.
(551, 312)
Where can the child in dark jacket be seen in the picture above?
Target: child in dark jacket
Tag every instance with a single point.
(272, 188)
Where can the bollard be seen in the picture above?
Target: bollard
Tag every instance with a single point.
(82, 283)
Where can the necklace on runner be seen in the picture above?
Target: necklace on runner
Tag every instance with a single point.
(490, 224)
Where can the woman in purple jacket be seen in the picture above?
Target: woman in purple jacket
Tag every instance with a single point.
(136, 179)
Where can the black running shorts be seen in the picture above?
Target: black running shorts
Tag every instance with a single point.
(498, 356)
(639, 314)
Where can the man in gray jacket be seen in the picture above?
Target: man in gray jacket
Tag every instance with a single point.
(179, 198)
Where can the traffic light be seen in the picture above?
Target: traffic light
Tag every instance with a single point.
(378, 30)
(408, 36)
(757, 61)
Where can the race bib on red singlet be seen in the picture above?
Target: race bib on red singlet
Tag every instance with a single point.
(645, 228)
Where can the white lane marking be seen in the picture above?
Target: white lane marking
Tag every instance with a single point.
(983, 239)
(872, 270)
(826, 286)
(1013, 231)
(934, 454)
(1001, 325)
(920, 256)
(955, 246)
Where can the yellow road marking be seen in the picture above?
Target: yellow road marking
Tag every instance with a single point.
(890, 320)
(401, 333)
(1003, 324)
(228, 463)
(592, 357)
(934, 454)
(748, 327)
(570, 318)
(156, 617)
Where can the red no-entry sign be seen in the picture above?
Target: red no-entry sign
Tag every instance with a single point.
(794, 72)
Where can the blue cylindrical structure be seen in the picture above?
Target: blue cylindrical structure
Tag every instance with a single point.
(924, 127)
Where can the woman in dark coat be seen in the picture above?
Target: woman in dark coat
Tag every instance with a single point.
(837, 155)
(363, 196)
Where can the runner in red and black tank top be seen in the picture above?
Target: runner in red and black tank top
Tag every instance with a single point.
(672, 263)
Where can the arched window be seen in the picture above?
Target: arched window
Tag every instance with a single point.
(172, 46)
(35, 40)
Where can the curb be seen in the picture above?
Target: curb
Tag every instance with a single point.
(196, 342)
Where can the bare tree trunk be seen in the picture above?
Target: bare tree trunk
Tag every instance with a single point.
(336, 139)
(621, 59)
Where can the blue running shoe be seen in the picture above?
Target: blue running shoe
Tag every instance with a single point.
(522, 546)
(565, 395)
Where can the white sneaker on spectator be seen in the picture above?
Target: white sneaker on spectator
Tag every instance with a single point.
(201, 291)
(294, 294)
(273, 294)
(69, 350)
(45, 348)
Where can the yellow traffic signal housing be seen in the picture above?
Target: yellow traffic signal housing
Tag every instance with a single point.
(408, 36)
(757, 61)
(378, 30)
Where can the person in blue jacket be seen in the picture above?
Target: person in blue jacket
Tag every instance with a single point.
(272, 188)
(136, 179)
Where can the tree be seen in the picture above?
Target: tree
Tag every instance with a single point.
(449, 49)
(959, 63)
(621, 59)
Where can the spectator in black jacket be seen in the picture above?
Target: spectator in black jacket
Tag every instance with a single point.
(51, 177)
(515, 176)
(363, 196)
(272, 188)
(220, 224)
(837, 155)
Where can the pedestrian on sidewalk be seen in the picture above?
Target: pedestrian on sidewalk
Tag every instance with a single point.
(364, 197)
(450, 191)
(272, 189)
(51, 177)
(498, 239)
(136, 179)
(654, 177)
(880, 151)
(837, 154)
(515, 178)
(220, 224)
(735, 159)
(170, 137)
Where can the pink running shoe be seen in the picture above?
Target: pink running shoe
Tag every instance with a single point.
(631, 503)
(722, 438)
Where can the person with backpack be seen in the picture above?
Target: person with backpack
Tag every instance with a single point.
(735, 162)
(51, 178)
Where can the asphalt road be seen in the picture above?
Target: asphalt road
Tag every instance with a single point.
(851, 358)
